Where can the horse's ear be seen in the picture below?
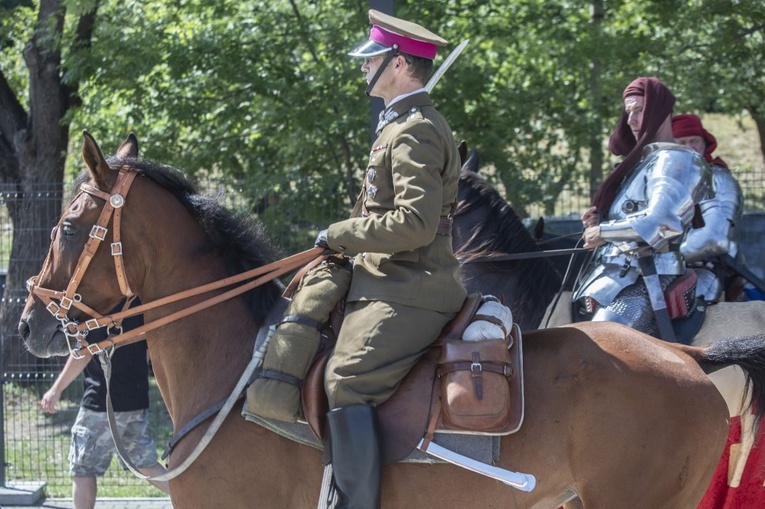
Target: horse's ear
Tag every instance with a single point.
(471, 164)
(95, 161)
(462, 150)
(539, 229)
(129, 147)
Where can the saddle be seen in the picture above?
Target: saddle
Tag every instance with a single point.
(416, 409)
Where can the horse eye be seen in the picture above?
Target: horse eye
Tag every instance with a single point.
(68, 230)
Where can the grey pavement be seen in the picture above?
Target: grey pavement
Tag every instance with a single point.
(102, 503)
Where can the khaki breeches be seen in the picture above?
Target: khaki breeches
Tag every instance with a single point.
(378, 344)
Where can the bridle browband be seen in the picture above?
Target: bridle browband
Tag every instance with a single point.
(76, 332)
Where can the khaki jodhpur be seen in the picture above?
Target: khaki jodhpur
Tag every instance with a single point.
(378, 345)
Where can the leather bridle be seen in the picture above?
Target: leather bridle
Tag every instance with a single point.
(60, 302)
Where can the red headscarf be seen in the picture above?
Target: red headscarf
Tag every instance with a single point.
(657, 107)
(690, 125)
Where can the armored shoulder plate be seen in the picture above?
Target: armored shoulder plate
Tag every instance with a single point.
(728, 193)
(721, 214)
(656, 205)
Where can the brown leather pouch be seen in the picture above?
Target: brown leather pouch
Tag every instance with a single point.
(475, 389)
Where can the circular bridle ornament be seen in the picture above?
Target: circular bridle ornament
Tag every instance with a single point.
(117, 200)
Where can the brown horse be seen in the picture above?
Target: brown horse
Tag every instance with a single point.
(613, 418)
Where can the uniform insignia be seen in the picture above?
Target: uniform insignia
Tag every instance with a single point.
(385, 119)
(378, 148)
(371, 191)
(371, 174)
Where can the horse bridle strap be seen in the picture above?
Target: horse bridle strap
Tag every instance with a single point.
(69, 297)
(114, 202)
(525, 255)
(267, 273)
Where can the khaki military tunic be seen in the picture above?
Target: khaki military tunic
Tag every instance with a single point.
(405, 283)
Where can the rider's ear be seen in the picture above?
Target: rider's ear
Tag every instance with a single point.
(95, 161)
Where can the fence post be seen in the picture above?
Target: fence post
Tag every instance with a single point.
(23, 493)
(2, 416)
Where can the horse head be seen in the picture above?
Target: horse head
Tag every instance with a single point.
(55, 302)
(159, 238)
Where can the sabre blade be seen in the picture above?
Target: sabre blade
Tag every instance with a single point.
(445, 66)
(518, 480)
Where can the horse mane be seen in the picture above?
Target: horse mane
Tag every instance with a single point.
(504, 233)
(235, 236)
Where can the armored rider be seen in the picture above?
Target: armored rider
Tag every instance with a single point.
(702, 246)
(405, 285)
(640, 216)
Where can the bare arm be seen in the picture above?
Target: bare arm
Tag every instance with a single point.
(71, 371)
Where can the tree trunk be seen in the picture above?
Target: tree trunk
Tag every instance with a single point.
(759, 120)
(33, 209)
(596, 94)
(34, 153)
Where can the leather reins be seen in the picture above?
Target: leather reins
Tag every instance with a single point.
(76, 332)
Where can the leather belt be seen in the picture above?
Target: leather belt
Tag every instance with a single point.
(444, 226)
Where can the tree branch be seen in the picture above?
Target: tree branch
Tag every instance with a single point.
(13, 121)
(82, 42)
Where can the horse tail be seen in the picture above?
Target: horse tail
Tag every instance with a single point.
(747, 352)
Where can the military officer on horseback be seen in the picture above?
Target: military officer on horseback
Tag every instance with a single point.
(640, 216)
(405, 284)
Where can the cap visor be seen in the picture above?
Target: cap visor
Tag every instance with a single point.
(369, 49)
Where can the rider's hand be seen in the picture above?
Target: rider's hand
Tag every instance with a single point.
(592, 238)
(590, 217)
(321, 240)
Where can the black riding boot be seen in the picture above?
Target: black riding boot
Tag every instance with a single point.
(356, 456)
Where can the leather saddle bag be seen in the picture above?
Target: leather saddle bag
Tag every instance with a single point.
(475, 384)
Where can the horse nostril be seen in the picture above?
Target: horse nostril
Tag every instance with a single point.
(24, 330)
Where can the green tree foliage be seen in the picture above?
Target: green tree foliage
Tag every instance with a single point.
(716, 58)
(265, 89)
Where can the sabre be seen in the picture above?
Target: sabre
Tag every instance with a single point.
(445, 66)
(518, 480)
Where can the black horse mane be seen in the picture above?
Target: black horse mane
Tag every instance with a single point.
(238, 238)
(504, 234)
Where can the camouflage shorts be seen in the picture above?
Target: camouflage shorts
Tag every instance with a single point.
(92, 447)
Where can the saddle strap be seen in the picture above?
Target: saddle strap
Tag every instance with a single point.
(303, 320)
(491, 319)
(444, 226)
(282, 377)
(476, 366)
(435, 415)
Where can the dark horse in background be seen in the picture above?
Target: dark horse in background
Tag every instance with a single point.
(486, 225)
(613, 418)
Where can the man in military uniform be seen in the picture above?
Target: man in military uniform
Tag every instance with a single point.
(405, 284)
(721, 215)
(640, 215)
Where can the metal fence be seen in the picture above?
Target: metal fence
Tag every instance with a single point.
(36, 445)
